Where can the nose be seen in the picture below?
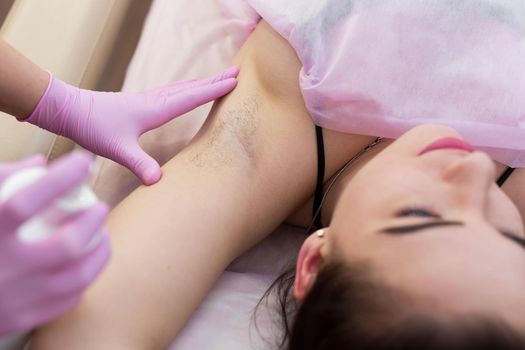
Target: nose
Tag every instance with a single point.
(471, 178)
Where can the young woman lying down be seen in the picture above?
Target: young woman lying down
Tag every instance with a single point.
(417, 246)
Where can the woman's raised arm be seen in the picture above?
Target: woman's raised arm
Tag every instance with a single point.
(250, 166)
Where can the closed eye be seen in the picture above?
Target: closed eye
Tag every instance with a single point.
(406, 229)
(418, 212)
(418, 227)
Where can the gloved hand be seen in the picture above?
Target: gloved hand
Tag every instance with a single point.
(110, 124)
(42, 280)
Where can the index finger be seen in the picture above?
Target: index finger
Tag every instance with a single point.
(179, 86)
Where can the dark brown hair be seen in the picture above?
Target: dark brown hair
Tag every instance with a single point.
(348, 309)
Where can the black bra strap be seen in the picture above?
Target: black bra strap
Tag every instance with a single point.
(505, 176)
(318, 222)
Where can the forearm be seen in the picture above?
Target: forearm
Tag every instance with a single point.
(165, 258)
(22, 83)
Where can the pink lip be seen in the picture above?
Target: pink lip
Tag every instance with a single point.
(447, 143)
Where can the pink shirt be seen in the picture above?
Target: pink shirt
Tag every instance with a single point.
(381, 67)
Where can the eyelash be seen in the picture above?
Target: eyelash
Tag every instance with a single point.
(423, 212)
(417, 211)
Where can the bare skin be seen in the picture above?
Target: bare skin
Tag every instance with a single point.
(22, 83)
(251, 167)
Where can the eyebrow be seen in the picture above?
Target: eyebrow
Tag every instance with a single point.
(396, 230)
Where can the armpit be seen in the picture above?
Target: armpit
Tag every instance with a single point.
(268, 84)
(231, 133)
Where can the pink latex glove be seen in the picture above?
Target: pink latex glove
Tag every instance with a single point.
(41, 280)
(110, 124)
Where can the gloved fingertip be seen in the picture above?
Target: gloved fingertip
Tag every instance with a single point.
(151, 176)
(231, 72)
(102, 209)
(77, 162)
(35, 160)
(200, 95)
(81, 156)
(226, 75)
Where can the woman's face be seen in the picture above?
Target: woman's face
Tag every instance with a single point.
(437, 226)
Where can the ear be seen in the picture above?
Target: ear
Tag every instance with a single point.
(311, 259)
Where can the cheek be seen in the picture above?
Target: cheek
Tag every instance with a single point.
(502, 212)
(513, 191)
(369, 247)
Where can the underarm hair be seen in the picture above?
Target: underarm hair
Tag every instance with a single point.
(232, 136)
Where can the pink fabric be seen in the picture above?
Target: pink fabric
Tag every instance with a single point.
(382, 67)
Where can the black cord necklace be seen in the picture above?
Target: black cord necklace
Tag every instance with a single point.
(336, 177)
